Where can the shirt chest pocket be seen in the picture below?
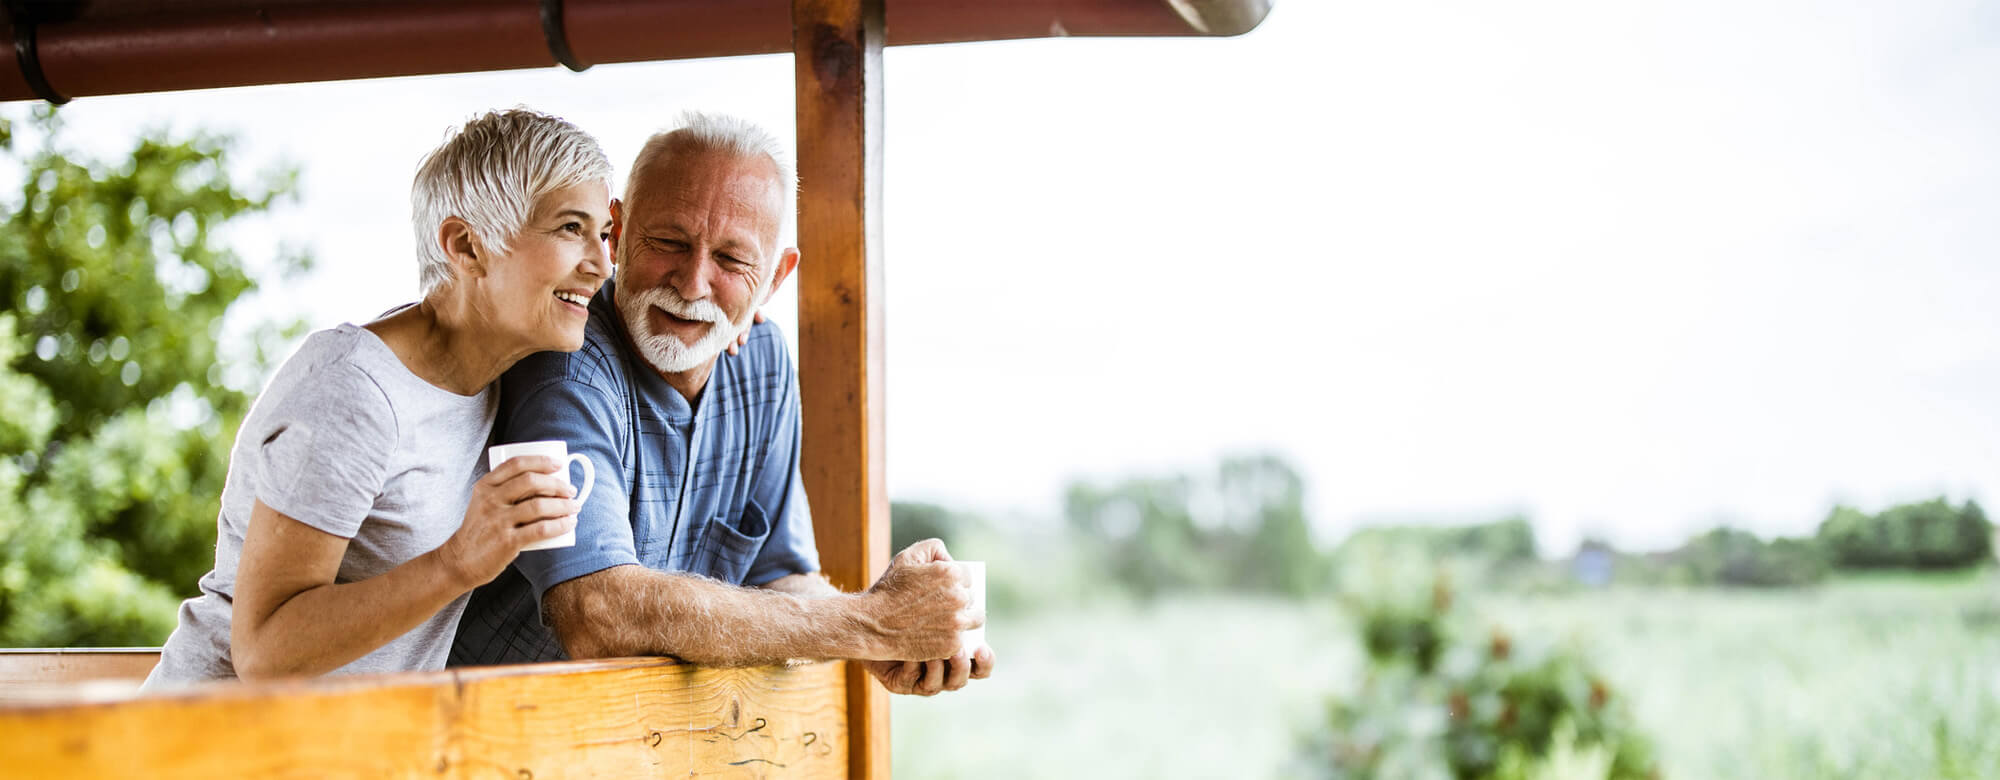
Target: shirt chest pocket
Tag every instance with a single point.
(731, 544)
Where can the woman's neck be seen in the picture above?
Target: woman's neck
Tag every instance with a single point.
(447, 341)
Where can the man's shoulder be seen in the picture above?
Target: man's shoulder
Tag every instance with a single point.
(600, 362)
(766, 354)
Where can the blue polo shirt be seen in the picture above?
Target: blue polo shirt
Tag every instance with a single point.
(711, 488)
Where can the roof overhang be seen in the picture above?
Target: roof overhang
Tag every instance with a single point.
(102, 47)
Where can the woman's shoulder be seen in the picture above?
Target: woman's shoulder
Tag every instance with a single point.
(332, 369)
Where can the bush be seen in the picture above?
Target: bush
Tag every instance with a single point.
(1432, 705)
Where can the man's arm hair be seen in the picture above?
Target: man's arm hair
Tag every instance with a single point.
(631, 610)
(811, 584)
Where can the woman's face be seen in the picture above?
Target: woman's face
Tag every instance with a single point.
(539, 289)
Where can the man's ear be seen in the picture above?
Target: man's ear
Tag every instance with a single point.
(617, 223)
(461, 248)
(787, 260)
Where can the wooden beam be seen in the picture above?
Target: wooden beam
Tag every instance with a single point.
(616, 718)
(837, 54)
(38, 674)
(123, 46)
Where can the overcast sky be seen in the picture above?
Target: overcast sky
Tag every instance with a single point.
(1632, 269)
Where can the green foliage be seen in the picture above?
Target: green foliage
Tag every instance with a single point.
(1926, 535)
(117, 414)
(1727, 556)
(914, 521)
(1433, 704)
(1242, 527)
(1506, 543)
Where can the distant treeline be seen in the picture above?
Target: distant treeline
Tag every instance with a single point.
(1240, 526)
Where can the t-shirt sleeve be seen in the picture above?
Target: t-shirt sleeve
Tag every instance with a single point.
(781, 492)
(586, 417)
(324, 450)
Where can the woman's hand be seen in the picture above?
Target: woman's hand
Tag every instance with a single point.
(526, 500)
(744, 337)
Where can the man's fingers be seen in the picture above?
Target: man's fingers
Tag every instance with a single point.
(958, 672)
(926, 551)
(934, 672)
(982, 662)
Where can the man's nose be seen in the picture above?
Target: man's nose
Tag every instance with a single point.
(692, 278)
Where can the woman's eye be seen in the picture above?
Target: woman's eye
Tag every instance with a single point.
(574, 227)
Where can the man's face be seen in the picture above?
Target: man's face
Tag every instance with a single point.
(696, 253)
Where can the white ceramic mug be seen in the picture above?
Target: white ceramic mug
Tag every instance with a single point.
(975, 576)
(556, 450)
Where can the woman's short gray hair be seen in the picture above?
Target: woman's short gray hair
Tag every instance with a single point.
(722, 132)
(490, 173)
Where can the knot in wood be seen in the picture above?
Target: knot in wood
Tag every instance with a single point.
(836, 59)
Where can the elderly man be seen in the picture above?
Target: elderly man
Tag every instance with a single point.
(696, 541)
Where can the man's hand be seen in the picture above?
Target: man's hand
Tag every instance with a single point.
(916, 611)
(744, 337)
(929, 678)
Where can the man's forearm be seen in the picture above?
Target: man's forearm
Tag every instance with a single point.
(631, 610)
(810, 585)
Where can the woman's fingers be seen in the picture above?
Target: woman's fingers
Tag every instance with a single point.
(534, 484)
(544, 529)
(535, 510)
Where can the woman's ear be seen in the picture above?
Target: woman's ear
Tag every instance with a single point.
(461, 248)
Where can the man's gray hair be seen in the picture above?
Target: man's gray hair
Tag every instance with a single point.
(721, 132)
(490, 173)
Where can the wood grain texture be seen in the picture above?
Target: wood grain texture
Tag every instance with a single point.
(621, 718)
(837, 55)
(42, 674)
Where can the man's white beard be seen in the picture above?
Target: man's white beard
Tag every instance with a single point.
(666, 351)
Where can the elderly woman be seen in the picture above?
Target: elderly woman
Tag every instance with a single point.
(354, 521)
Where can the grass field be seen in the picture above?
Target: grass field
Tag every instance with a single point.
(1866, 678)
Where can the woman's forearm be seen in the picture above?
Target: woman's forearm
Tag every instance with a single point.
(325, 627)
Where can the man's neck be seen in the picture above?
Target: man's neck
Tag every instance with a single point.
(689, 383)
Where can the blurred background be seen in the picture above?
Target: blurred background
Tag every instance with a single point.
(1416, 389)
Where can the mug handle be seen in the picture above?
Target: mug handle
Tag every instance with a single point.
(589, 476)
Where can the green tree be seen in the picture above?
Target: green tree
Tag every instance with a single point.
(118, 414)
(1927, 534)
(1264, 497)
(1243, 527)
(1730, 556)
(914, 521)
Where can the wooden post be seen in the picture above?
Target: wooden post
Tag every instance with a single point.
(837, 50)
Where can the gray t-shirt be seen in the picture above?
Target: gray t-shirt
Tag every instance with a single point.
(346, 440)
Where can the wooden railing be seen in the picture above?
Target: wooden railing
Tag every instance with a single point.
(631, 717)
